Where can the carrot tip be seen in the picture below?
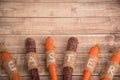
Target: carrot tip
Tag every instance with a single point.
(48, 37)
(97, 44)
(49, 44)
(94, 51)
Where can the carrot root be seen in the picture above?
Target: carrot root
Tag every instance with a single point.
(87, 75)
(16, 77)
(53, 72)
(67, 73)
(91, 62)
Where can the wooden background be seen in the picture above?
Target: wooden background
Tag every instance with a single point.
(91, 21)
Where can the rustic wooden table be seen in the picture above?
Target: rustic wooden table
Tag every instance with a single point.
(91, 21)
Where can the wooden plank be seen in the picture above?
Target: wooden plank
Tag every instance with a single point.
(15, 43)
(59, 9)
(22, 67)
(19, 1)
(60, 78)
(45, 26)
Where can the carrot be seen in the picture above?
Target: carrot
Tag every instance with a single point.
(91, 62)
(50, 55)
(112, 67)
(31, 57)
(49, 46)
(70, 58)
(16, 77)
(9, 65)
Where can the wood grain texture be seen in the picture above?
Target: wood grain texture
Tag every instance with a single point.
(91, 21)
(60, 26)
(59, 9)
(15, 43)
(63, 1)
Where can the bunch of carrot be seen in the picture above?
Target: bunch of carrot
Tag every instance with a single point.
(69, 61)
(91, 62)
(9, 65)
(51, 58)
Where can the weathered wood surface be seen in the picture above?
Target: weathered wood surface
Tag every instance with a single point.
(59, 9)
(63, 1)
(91, 21)
(63, 26)
(15, 43)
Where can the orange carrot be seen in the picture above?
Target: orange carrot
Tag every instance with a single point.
(94, 51)
(51, 63)
(115, 59)
(6, 58)
(49, 44)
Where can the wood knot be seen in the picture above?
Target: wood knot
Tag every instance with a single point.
(73, 9)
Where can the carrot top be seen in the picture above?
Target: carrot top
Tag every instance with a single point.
(94, 51)
(49, 44)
